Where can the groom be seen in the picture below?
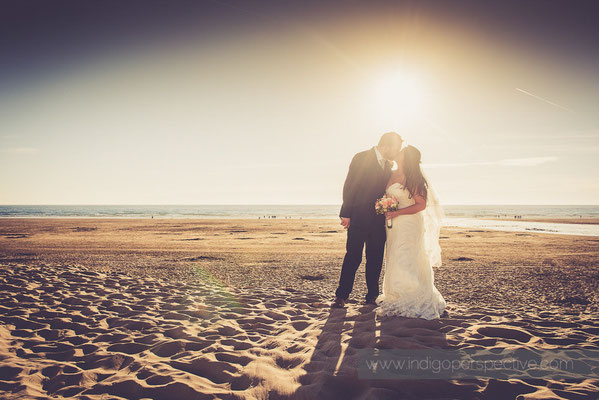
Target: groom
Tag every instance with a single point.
(366, 181)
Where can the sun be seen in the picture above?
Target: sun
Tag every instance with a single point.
(399, 93)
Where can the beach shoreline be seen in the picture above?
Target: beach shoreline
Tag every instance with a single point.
(551, 220)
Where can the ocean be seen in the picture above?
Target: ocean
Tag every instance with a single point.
(471, 216)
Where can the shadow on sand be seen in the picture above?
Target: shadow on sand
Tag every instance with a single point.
(332, 371)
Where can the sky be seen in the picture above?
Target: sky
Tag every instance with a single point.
(266, 102)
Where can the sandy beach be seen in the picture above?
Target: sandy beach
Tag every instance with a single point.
(239, 309)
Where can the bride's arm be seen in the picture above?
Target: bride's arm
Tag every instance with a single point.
(419, 205)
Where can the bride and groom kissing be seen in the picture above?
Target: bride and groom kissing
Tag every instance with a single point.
(411, 241)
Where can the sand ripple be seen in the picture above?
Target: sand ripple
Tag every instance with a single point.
(68, 331)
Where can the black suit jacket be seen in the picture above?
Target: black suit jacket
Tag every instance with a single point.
(365, 183)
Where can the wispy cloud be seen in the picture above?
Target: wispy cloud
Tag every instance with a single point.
(20, 150)
(508, 162)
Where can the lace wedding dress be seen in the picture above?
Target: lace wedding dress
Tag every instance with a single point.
(412, 249)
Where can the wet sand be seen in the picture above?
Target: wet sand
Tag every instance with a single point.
(572, 220)
(239, 309)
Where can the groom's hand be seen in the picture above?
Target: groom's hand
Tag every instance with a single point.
(345, 222)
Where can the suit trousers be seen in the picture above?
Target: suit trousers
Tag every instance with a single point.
(357, 238)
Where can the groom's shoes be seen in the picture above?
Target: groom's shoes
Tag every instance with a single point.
(338, 303)
(371, 302)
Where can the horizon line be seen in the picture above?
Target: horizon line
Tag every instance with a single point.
(294, 205)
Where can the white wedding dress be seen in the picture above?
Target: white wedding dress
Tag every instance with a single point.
(412, 249)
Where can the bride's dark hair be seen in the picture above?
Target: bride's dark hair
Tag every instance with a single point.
(415, 182)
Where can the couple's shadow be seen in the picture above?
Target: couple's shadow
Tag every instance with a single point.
(332, 371)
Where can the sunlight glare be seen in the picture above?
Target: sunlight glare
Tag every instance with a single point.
(399, 94)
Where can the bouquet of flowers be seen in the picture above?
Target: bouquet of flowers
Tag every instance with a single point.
(386, 204)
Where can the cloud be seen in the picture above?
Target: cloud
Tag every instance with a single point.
(509, 162)
(526, 162)
(20, 150)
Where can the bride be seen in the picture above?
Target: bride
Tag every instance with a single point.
(412, 248)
